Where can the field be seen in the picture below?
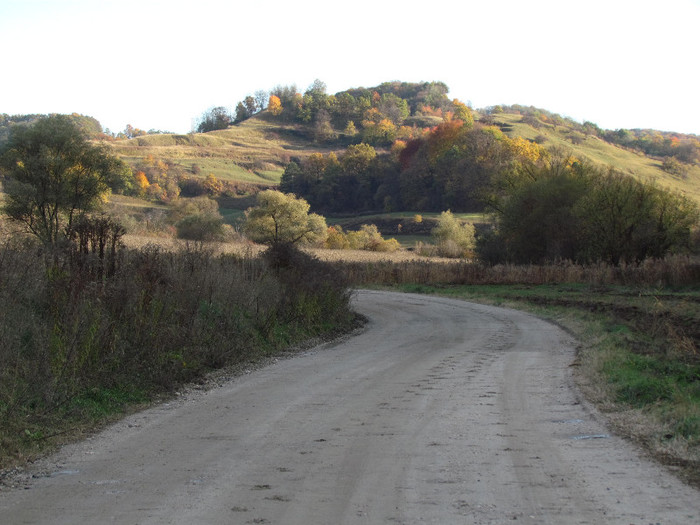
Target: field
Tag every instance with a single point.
(638, 326)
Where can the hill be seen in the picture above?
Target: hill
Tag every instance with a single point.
(257, 149)
(254, 152)
(590, 146)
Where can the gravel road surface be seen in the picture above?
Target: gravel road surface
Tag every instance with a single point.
(439, 411)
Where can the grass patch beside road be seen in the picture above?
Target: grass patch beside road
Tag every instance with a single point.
(639, 360)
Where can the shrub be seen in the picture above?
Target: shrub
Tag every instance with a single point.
(337, 240)
(70, 338)
(200, 227)
(369, 238)
(674, 167)
(455, 238)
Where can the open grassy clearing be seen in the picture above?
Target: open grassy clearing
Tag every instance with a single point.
(645, 168)
(134, 202)
(639, 360)
(254, 151)
(222, 168)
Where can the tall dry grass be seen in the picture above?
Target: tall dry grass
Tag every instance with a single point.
(80, 333)
(671, 271)
(363, 267)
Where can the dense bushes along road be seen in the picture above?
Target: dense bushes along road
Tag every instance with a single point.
(81, 335)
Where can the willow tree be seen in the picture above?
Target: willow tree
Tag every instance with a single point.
(280, 218)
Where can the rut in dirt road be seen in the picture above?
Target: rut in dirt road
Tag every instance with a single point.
(440, 411)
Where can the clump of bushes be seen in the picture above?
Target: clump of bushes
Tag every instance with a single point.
(198, 219)
(367, 238)
(79, 329)
(566, 209)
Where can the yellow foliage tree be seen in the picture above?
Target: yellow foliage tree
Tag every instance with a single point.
(463, 112)
(274, 105)
(141, 182)
(455, 238)
(336, 240)
(523, 149)
(369, 238)
(212, 185)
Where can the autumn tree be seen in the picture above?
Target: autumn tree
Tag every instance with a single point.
(463, 112)
(357, 158)
(336, 239)
(142, 183)
(274, 105)
(131, 132)
(350, 129)
(369, 238)
(280, 218)
(212, 185)
(54, 176)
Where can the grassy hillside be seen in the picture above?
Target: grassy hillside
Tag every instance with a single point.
(254, 151)
(597, 150)
(257, 150)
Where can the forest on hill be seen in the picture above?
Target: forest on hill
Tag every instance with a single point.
(397, 119)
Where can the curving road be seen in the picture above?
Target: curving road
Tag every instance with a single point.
(440, 411)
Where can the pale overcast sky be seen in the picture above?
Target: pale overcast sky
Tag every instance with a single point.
(161, 63)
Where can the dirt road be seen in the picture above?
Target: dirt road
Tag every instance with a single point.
(440, 412)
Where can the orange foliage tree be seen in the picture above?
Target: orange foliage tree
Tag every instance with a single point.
(274, 105)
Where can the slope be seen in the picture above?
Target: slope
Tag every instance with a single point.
(646, 168)
(254, 151)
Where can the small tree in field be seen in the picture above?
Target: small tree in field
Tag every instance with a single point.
(455, 238)
(281, 218)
